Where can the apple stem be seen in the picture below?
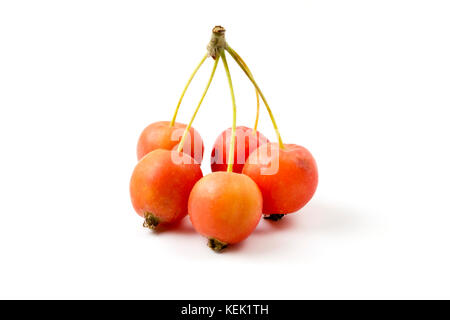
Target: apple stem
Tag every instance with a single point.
(256, 91)
(185, 89)
(180, 145)
(241, 64)
(233, 100)
(257, 113)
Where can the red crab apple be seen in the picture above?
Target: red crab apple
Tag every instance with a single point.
(247, 140)
(160, 135)
(160, 186)
(287, 177)
(225, 207)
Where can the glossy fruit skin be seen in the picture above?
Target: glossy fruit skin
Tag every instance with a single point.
(160, 135)
(161, 187)
(246, 142)
(294, 183)
(225, 206)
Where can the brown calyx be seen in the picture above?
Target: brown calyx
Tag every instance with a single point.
(150, 221)
(216, 245)
(274, 217)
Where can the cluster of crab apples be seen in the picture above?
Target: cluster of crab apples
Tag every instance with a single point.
(251, 176)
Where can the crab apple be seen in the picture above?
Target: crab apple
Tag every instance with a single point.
(161, 135)
(225, 207)
(247, 140)
(287, 177)
(160, 186)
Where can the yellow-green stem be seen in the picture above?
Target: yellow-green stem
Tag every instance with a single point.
(185, 89)
(180, 146)
(240, 62)
(233, 100)
(256, 91)
(257, 112)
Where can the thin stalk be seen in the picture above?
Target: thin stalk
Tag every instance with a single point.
(240, 62)
(185, 89)
(257, 112)
(180, 146)
(256, 91)
(233, 100)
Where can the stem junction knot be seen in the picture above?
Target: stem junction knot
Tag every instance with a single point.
(217, 42)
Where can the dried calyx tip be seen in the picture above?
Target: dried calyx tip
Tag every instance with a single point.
(150, 221)
(216, 245)
(274, 217)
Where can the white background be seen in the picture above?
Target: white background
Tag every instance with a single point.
(364, 85)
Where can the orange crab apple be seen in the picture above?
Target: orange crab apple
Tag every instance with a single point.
(287, 177)
(247, 140)
(160, 186)
(225, 207)
(161, 135)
